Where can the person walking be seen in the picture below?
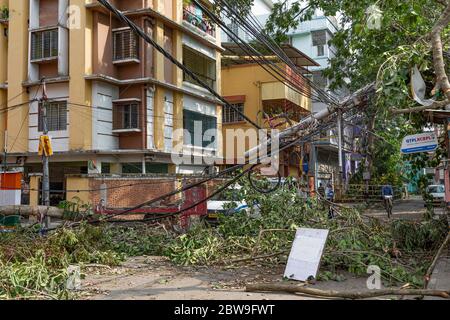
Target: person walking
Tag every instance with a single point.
(329, 193)
(321, 190)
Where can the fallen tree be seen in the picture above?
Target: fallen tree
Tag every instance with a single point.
(294, 288)
(32, 211)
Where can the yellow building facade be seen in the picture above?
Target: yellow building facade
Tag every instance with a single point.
(114, 102)
(261, 96)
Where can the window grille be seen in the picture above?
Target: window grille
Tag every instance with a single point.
(319, 38)
(56, 116)
(202, 66)
(230, 115)
(125, 45)
(44, 44)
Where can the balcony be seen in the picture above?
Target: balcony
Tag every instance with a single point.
(276, 95)
(125, 46)
(202, 66)
(194, 16)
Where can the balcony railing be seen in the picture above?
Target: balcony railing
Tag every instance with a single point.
(194, 16)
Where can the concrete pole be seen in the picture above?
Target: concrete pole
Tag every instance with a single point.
(45, 159)
(339, 128)
(341, 153)
(5, 160)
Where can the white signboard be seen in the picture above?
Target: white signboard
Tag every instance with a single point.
(423, 142)
(306, 254)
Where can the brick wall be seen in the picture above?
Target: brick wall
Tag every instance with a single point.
(129, 192)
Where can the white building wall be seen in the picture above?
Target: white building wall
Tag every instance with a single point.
(60, 139)
(168, 122)
(198, 46)
(261, 7)
(150, 119)
(103, 95)
(63, 38)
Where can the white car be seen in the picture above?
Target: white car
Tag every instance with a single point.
(437, 192)
(215, 207)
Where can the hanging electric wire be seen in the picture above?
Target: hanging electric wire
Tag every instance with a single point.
(166, 54)
(264, 39)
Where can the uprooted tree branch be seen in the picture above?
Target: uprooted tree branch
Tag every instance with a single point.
(300, 289)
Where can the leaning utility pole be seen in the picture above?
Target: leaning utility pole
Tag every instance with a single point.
(45, 156)
(340, 179)
(340, 138)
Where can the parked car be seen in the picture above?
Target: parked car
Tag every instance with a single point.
(437, 192)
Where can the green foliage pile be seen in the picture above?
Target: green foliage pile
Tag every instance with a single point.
(35, 267)
(402, 249)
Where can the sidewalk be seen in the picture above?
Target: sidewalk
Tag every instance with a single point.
(440, 279)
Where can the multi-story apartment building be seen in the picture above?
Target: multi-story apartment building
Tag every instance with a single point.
(260, 8)
(313, 37)
(261, 96)
(114, 101)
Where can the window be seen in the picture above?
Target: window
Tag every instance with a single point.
(320, 80)
(126, 116)
(320, 51)
(319, 39)
(56, 116)
(230, 115)
(197, 125)
(202, 66)
(125, 45)
(44, 44)
(234, 27)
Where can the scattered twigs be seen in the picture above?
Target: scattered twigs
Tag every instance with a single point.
(290, 288)
(39, 293)
(95, 265)
(259, 257)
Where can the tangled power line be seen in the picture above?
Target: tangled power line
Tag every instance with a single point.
(295, 135)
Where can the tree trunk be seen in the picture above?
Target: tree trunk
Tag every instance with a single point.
(27, 211)
(290, 288)
(442, 81)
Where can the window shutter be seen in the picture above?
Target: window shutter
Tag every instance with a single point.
(117, 45)
(125, 45)
(44, 44)
(54, 43)
(47, 44)
(36, 45)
